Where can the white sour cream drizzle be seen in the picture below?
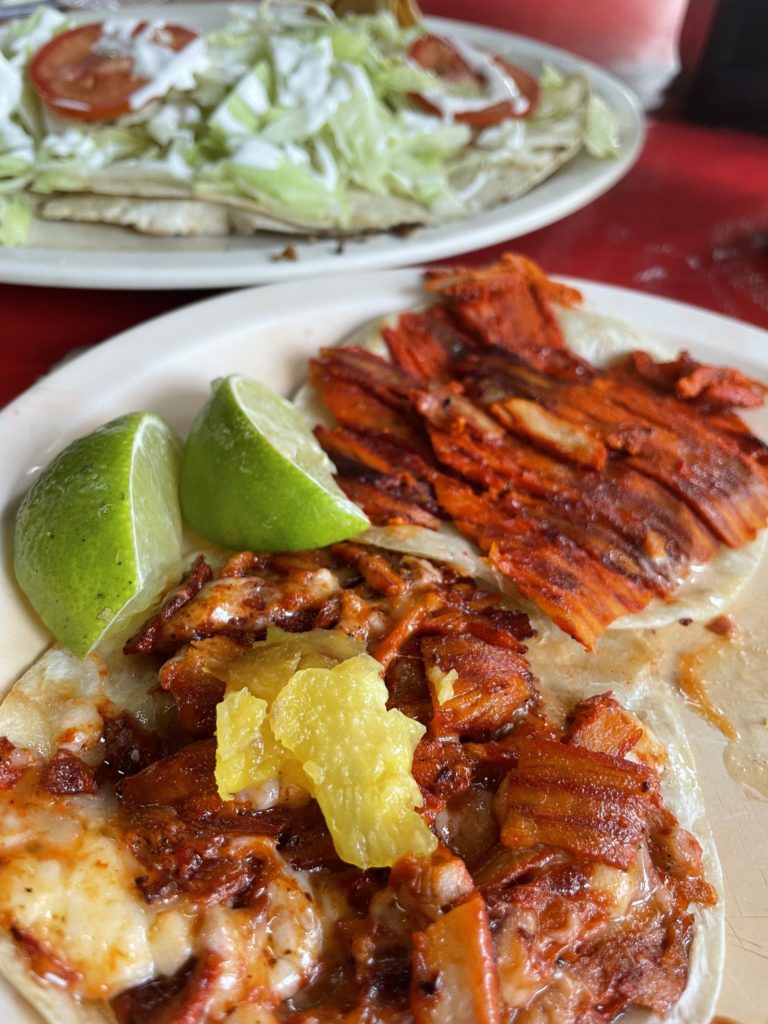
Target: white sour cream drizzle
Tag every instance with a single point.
(15, 143)
(171, 120)
(303, 72)
(499, 87)
(163, 67)
(10, 88)
(328, 172)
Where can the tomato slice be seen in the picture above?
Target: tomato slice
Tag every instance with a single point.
(438, 55)
(435, 54)
(76, 82)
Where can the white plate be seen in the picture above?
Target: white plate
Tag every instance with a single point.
(97, 256)
(166, 364)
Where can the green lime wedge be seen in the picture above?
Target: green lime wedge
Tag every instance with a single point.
(253, 476)
(98, 536)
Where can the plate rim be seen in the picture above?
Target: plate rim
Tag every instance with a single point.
(216, 268)
(270, 296)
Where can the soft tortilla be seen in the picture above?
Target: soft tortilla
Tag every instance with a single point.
(165, 217)
(42, 705)
(53, 1005)
(549, 144)
(627, 664)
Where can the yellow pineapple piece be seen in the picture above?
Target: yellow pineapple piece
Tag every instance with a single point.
(442, 683)
(358, 757)
(270, 663)
(247, 753)
(239, 742)
(310, 708)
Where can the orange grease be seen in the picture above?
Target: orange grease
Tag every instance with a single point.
(693, 686)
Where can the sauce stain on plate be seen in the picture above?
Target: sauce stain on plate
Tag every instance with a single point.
(724, 680)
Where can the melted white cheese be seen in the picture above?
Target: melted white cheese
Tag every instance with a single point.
(275, 953)
(54, 704)
(71, 888)
(66, 883)
(57, 702)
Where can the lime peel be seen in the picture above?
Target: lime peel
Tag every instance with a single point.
(98, 536)
(253, 475)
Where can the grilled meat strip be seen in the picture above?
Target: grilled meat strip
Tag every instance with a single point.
(593, 489)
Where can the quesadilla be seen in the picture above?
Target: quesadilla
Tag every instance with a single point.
(563, 882)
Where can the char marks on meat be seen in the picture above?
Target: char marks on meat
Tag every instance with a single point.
(180, 998)
(65, 773)
(592, 804)
(562, 888)
(10, 768)
(246, 595)
(537, 821)
(595, 490)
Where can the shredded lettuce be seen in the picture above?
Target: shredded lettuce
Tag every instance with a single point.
(241, 112)
(302, 182)
(15, 220)
(601, 133)
(395, 79)
(292, 108)
(551, 78)
(20, 39)
(17, 154)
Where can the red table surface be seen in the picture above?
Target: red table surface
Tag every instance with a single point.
(689, 222)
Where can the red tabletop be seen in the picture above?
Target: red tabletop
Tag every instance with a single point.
(690, 221)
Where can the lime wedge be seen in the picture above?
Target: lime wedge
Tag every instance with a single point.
(99, 534)
(253, 476)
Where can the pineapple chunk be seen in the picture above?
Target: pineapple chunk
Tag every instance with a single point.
(270, 663)
(309, 707)
(358, 757)
(247, 753)
(240, 747)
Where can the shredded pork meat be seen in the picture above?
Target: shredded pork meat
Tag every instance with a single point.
(562, 888)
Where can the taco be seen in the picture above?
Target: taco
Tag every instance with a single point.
(557, 454)
(549, 871)
(286, 119)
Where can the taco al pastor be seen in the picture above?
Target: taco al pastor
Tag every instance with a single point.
(563, 883)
